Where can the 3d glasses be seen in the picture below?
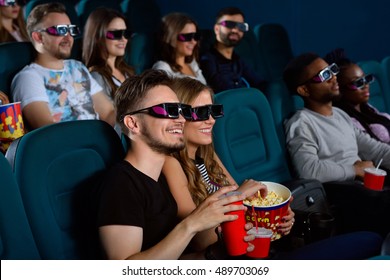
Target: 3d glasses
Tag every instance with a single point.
(61, 30)
(361, 82)
(165, 111)
(187, 37)
(202, 113)
(326, 74)
(118, 34)
(6, 3)
(242, 26)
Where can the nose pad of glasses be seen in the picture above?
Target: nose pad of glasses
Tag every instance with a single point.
(194, 116)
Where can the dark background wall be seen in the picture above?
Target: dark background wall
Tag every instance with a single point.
(361, 27)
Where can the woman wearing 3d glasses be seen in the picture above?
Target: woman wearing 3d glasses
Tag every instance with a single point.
(178, 54)
(354, 97)
(12, 24)
(196, 172)
(104, 45)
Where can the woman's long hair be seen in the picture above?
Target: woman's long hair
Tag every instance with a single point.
(172, 24)
(367, 114)
(188, 89)
(5, 36)
(95, 53)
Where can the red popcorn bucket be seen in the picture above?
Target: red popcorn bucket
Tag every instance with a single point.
(270, 216)
(11, 124)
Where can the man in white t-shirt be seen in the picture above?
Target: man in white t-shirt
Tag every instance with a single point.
(53, 88)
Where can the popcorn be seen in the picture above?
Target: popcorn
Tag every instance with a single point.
(271, 199)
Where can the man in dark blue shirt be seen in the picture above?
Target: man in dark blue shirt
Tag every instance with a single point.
(221, 66)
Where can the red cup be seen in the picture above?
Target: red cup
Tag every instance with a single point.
(262, 242)
(234, 231)
(374, 178)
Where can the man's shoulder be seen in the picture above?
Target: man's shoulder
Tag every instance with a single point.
(340, 112)
(299, 116)
(211, 53)
(32, 69)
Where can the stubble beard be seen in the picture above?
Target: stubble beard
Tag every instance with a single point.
(61, 53)
(226, 41)
(159, 146)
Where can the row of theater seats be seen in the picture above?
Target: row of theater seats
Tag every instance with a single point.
(49, 175)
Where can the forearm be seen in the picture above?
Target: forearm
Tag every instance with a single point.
(171, 247)
(322, 170)
(371, 149)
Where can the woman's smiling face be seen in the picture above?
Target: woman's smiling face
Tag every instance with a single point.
(200, 132)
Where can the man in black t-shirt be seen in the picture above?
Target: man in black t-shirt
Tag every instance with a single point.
(136, 211)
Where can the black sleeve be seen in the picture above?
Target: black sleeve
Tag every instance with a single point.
(119, 201)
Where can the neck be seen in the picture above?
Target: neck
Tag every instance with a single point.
(49, 61)
(8, 24)
(111, 62)
(145, 160)
(227, 52)
(180, 60)
(323, 109)
(357, 107)
(191, 150)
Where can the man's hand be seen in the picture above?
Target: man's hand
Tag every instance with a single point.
(360, 166)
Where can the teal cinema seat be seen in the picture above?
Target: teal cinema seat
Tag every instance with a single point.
(16, 238)
(57, 168)
(14, 56)
(245, 138)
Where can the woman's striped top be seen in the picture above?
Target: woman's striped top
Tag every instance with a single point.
(211, 186)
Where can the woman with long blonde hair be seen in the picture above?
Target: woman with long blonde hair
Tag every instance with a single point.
(196, 172)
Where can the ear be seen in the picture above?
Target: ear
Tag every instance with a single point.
(303, 91)
(37, 37)
(216, 28)
(131, 123)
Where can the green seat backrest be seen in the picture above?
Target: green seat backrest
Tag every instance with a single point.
(142, 15)
(247, 49)
(141, 51)
(386, 68)
(379, 92)
(274, 47)
(57, 168)
(13, 56)
(283, 104)
(16, 239)
(85, 7)
(245, 138)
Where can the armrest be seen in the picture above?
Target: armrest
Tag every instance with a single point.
(385, 251)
